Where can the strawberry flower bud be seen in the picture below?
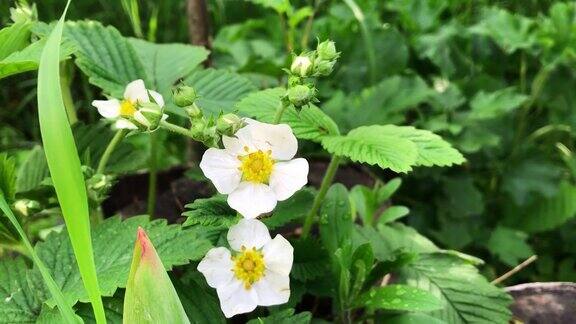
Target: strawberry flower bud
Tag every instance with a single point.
(150, 296)
(301, 66)
(184, 95)
(300, 95)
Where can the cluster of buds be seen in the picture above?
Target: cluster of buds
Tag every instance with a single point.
(317, 63)
(97, 185)
(148, 116)
(207, 131)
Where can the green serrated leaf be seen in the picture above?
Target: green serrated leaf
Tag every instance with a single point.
(213, 212)
(310, 260)
(33, 171)
(468, 297)
(495, 104)
(14, 38)
(174, 245)
(335, 218)
(105, 56)
(310, 123)
(21, 297)
(510, 31)
(293, 209)
(509, 245)
(219, 90)
(400, 298)
(376, 146)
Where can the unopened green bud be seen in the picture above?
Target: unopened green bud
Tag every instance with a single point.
(301, 66)
(193, 111)
(23, 12)
(184, 96)
(26, 207)
(300, 95)
(148, 116)
(327, 51)
(324, 68)
(229, 124)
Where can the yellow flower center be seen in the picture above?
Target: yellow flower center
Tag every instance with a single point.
(249, 266)
(256, 166)
(127, 108)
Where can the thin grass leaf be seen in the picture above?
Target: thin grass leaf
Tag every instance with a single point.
(64, 164)
(65, 309)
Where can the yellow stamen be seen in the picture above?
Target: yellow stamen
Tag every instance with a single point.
(127, 108)
(257, 166)
(249, 266)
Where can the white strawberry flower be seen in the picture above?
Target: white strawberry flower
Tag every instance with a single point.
(126, 112)
(255, 274)
(256, 168)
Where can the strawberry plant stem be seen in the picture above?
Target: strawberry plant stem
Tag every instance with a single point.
(109, 149)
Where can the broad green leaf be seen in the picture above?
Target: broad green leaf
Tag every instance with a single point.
(374, 145)
(510, 31)
(105, 56)
(21, 298)
(14, 38)
(219, 90)
(28, 59)
(174, 245)
(386, 191)
(112, 307)
(150, 296)
(545, 213)
(495, 104)
(310, 123)
(280, 6)
(64, 308)
(64, 164)
(400, 298)
(310, 260)
(418, 15)
(33, 171)
(383, 103)
(335, 218)
(467, 296)
(290, 210)
(531, 178)
(199, 300)
(509, 245)
(386, 239)
(212, 212)
(167, 63)
(286, 316)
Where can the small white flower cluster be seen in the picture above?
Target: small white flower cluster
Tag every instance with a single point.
(256, 169)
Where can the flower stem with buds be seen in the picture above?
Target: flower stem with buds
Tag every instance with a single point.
(279, 113)
(176, 129)
(118, 137)
(326, 182)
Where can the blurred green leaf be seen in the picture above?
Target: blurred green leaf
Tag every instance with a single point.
(335, 218)
(496, 104)
(509, 245)
(467, 296)
(510, 31)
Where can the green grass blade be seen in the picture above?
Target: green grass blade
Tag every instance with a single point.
(64, 165)
(65, 309)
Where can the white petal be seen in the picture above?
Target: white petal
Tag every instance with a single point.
(235, 299)
(234, 146)
(136, 92)
(272, 289)
(250, 233)
(222, 169)
(157, 97)
(278, 138)
(140, 119)
(288, 177)
(217, 267)
(108, 108)
(124, 124)
(278, 255)
(252, 199)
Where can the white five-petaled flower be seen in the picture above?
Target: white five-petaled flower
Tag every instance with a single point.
(125, 111)
(256, 275)
(256, 168)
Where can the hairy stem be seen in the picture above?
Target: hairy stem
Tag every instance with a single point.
(326, 182)
(279, 113)
(176, 129)
(118, 137)
(153, 174)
